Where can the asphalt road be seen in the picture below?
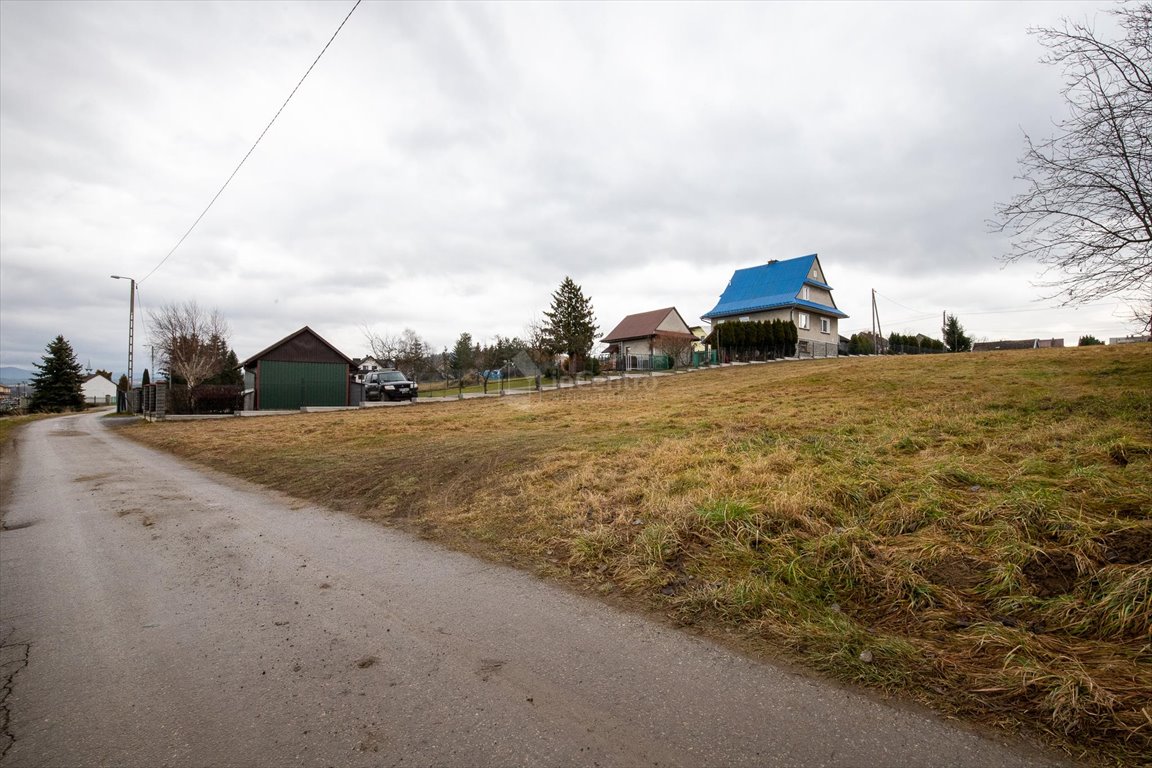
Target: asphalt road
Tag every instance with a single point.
(152, 614)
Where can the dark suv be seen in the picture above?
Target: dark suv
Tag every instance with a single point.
(389, 385)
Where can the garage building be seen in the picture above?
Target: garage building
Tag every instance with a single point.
(299, 370)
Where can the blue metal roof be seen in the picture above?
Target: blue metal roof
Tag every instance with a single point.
(771, 286)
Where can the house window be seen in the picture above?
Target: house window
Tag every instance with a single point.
(807, 293)
(802, 321)
(745, 319)
(825, 325)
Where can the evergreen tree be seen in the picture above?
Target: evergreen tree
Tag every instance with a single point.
(955, 337)
(230, 373)
(463, 357)
(571, 325)
(1089, 341)
(59, 379)
(145, 380)
(123, 384)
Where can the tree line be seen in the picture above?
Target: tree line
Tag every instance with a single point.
(561, 342)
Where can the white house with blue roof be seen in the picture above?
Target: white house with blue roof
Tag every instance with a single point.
(793, 290)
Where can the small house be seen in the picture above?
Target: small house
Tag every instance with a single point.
(658, 339)
(98, 389)
(366, 365)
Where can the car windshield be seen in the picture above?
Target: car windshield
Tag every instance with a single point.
(392, 376)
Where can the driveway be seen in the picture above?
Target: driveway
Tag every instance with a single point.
(154, 614)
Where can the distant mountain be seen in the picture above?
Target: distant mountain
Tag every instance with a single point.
(10, 375)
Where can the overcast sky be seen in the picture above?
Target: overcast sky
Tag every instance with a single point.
(445, 166)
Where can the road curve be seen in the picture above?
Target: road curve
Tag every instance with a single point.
(154, 614)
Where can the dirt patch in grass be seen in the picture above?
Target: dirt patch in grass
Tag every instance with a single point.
(966, 530)
(958, 572)
(1052, 573)
(1129, 546)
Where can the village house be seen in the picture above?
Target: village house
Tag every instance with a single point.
(658, 340)
(366, 365)
(98, 389)
(794, 290)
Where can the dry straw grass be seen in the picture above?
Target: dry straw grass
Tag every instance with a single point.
(972, 531)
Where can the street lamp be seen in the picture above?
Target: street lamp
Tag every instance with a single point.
(131, 321)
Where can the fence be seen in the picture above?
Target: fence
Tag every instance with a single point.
(150, 400)
(650, 362)
(619, 363)
(910, 349)
(814, 349)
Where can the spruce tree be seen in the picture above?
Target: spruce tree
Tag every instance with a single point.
(571, 325)
(59, 379)
(955, 337)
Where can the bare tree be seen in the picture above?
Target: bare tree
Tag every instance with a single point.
(1087, 213)
(539, 344)
(192, 343)
(382, 346)
(412, 353)
(678, 348)
(408, 352)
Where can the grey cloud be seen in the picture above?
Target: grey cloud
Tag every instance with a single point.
(446, 165)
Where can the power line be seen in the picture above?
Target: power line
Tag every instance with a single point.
(905, 306)
(250, 151)
(966, 313)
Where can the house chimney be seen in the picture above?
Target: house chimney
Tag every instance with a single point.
(772, 261)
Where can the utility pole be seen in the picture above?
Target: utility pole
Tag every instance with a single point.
(131, 321)
(877, 332)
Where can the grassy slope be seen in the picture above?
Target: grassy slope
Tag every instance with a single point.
(974, 531)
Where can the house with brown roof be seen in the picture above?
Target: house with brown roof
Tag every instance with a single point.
(658, 339)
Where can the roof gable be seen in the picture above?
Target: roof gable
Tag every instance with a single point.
(773, 285)
(644, 324)
(304, 342)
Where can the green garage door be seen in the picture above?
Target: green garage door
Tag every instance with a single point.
(292, 385)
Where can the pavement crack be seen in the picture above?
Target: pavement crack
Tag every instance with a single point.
(13, 658)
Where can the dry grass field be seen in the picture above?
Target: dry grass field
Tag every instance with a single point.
(971, 531)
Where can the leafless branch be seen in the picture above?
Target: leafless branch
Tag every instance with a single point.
(1086, 216)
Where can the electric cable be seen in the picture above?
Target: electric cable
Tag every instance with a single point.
(253, 148)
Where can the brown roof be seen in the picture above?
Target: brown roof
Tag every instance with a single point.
(643, 325)
(304, 341)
